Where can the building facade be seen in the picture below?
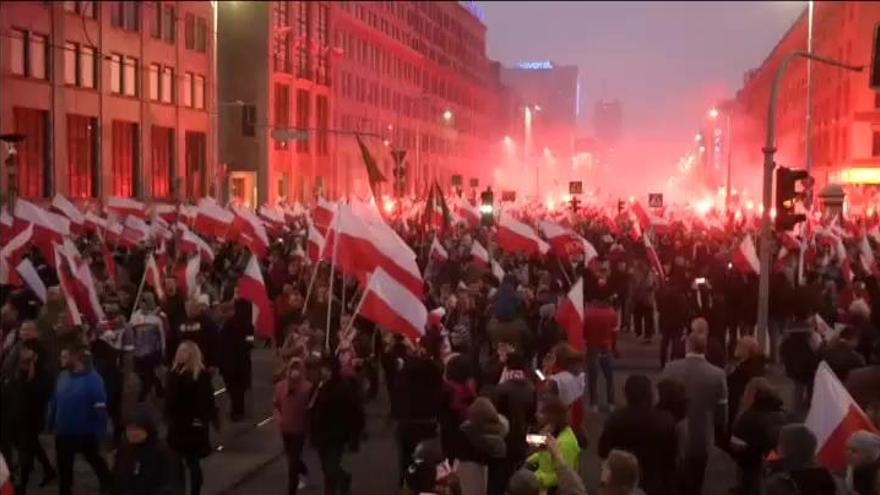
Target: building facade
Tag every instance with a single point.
(408, 76)
(111, 98)
(845, 136)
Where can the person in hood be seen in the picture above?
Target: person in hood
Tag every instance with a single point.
(484, 431)
(796, 471)
(863, 462)
(144, 464)
(798, 352)
(78, 417)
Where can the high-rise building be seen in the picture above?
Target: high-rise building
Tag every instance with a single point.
(608, 119)
(845, 130)
(409, 76)
(112, 98)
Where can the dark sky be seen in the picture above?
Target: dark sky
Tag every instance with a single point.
(666, 61)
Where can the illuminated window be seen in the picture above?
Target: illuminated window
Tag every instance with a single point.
(282, 111)
(70, 50)
(167, 86)
(130, 76)
(199, 92)
(302, 118)
(162, 163)
(188, 89)
(124, 162)
(82, 156)
(116, 73)
(38, 56)
(189, 31)
(33, 152)
(196, 160)
(153, 82)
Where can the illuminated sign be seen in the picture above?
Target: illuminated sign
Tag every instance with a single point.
(860, 176)
(536, 65)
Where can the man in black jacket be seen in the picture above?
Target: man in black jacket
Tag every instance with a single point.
(646, 432)
(145, 465)
(516, 400)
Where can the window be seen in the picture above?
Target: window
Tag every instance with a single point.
(322, 113)
(323, 73)
(875, 143)
(199, 92)
(33, 153)
(302, 118)
(17, 55)
(82, 164)
(168, 23)
(153, 81)
(84, 8)
(129, 76)
(281, 14)
(70, 51)
(201, 35)
(304, 38)
(282, 111)
(162, 163)
(125, 159)
(196, 160)
(189, 31)
(156, 23)
(116, 73)
(281, 52)
(167, 86)
(87, 67)
(187, 89)
(125, 15)
(37, 56)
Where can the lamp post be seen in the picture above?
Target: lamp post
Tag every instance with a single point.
(769, 150)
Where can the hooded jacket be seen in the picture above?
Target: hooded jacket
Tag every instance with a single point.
(149, 467)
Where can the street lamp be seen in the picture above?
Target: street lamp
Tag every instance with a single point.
(713, 113)
(447, 116)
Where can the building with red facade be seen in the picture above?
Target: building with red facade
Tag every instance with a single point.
(409, 76)
(112, 98)
(845, 137)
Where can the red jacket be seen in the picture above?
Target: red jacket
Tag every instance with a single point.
(599, 325)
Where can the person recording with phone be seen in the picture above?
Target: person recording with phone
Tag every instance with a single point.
(552, 419)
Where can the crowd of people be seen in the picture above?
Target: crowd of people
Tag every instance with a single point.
(495, 396)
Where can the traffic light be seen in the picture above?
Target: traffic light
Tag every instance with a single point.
(575, 203)
(487, 208)
(787, 195)
(621, 204)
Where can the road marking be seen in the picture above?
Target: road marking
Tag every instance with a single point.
(219, 391)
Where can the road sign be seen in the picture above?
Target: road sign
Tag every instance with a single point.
(290, 135)
(655, 200)
(456, 180)
(508, 196)
(575, 187)
(475, 182)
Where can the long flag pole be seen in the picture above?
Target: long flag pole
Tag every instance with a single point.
(332, 267)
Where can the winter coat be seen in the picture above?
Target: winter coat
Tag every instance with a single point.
(842, 359)
(650, 435)
(545, 472)
(149, 468)
(78, 405)
(798, 356)
(189, 411)
(516, 400)
(864, 385)
(234, 348)
(457, 397)
(757, 430)
(417, 391)
(336, 412)
(290, 406)
(485, 440)
(784, 479)
(737, 380)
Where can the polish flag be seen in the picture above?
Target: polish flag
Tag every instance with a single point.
(563, 242)
(745, 258)
(363, 247)
(29, 275)
(190, 242)
(48, 227)
(516, 236)
(186, 276)
(635, 226)
(293, 213)
(82, 284)
(610, 222)
(842, 258)
(322, 215)
(789, 241)
(12, 252)
(6, 222)
(497, 271)
(314, 243)
(65, 207)
(252, 288)
(479, 254)
(653, 258)
(153, 277)
(469, 212)
(437, 251)
(833, 417)
(94, 222)
(642, 216)
(126, 206)
(866, 256)
(570, 315)
(253, 231)
(165, 211)
(273, 217)
(65, 277)
(590, 252)
(6, 487)
(212, 219)
(392, 306)
(135, 231)
(109, 263)
(113, 233)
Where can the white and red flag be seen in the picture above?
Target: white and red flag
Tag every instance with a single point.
(497, 271)
(48, 227)
(153, 277)
(252, 288)
(745, 258)
(322, 215)
(12, 252)
(515, 236)
(190, 242)
(866, 256)
(29, 276)
(437, 251)
(467, 211)
(314, 243)
(653, 258)
(126, 206)
(363, 247)
(479, 254)
(590, 252)
(570, 315)
(212, 219)
(563, 242)
(65, 277)
(135, 231)
(165, 211)
(392, 306)
(94, 222)
(833, 417)
(252, 232)
(82, 284)
(6, 487)
(63, 206)
(186, 276)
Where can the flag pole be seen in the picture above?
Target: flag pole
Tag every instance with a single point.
(357, 310)
(317, 266)
(332, 267)
(139, 292)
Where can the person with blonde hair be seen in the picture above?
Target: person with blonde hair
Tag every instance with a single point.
(189, 410)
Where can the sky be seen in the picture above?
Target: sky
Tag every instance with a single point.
(667, 62)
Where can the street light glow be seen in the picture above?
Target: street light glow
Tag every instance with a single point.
(713, 113)
(698, 137)
(447, 115)
(508, 141)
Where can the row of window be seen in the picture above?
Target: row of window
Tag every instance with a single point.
(303, 107)
(288, 43)
(29, 57)
(163, 22)
(83, 145)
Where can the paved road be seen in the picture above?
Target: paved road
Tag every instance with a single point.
(250, 460)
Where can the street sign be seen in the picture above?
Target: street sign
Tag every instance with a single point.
(290, 135)
(456, 180)
(508, 196)
(655, 200)
(475, 182)
(575, 187)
